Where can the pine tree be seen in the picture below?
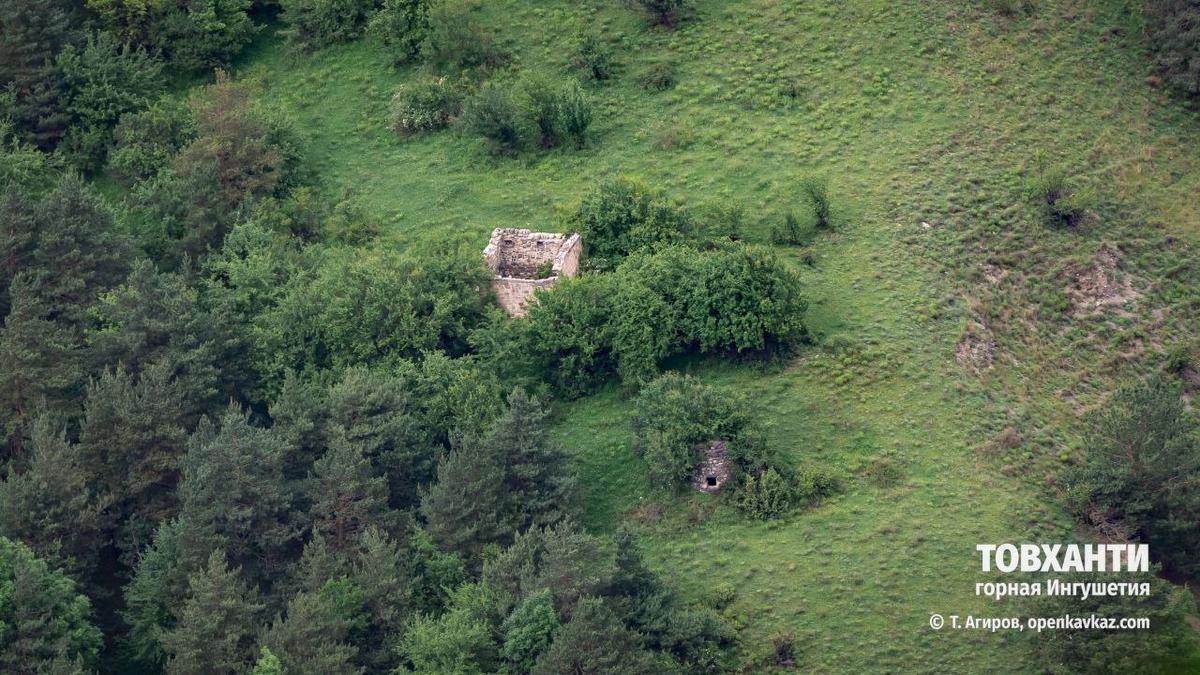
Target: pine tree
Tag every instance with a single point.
(301, 416)
(131, 440)
(380, 573)
(78, 251)
(538, 483)
(347, 495)
(40, 365)
(51, 507)
(154, 318)
(216, 624)
(159, 585)
(312, 638)
(374, 413)
(528, 631)
(47, 623)
(233, 495)
(31, 35)
(464, 509)
(595, 643)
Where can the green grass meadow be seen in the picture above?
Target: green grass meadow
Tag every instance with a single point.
(927, 117)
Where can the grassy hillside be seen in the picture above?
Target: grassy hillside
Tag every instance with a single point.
(928, 117)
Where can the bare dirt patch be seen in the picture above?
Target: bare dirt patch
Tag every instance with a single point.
(976, 348)
(1101, 285)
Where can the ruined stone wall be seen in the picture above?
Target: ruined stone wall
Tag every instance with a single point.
(566, 263)
(519, 253)
(514, 295)
(714, 469)
(516, 255)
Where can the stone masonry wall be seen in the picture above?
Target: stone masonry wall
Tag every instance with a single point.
(515, 256)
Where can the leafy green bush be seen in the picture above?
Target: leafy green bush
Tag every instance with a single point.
(664, 12)
(766, 496)
(104, 80)
(1061, 202)
(575, 113)
(312, 24)
(402, 26)
(735, 298)
(190, 35)
(677, 414)
(456, 38)
(592, 57)
(494, 114)
(1143, 461)
(543, 107)
(813, 485)
(622, 215)
(659, 76)
(1174, 37)
(145, 141)
(424, 106)
(816, 191)
(371, 307)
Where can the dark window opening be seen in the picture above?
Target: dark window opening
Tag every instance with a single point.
(712, 481)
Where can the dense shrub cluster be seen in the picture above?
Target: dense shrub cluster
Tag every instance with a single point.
(1174, 37)
(592, 57)
(316, 23)
(676, 416)
(402, 26)
(1143, 463)
(457, 38)
(537, 111)
(622, 215)
(1061, 202)
(425, 106)
(734, 299)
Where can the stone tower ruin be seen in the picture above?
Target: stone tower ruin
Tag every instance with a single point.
(522, 262)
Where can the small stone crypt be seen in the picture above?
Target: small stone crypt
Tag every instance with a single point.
(713, 470)
(522, 262)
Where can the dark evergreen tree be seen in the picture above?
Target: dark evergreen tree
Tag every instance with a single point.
(465, 508)
(104, 80)
(47, 623)
(216, 624)
(382, 575)
(537, 483)
(233, 496)
(156, 318)
(1142, 477)
(312, 638)
(569, 562)
(131, 440)
(40, 365)
(496, 485)
(77, 252)
(31, 35)
(347, 495)
(301, 416)
(51, 507)
(595, 643)
(373, 412)
(158, 587)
